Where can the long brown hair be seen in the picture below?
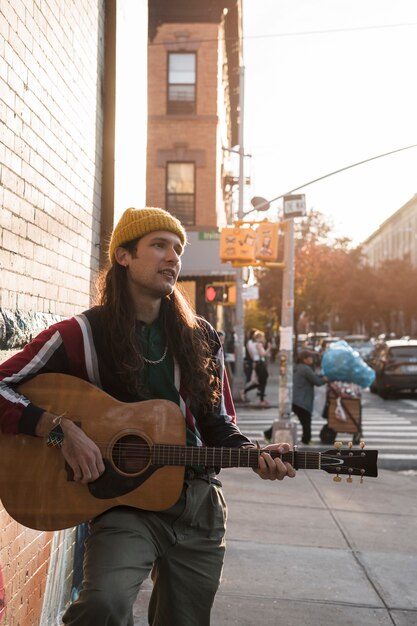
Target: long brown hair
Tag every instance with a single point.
(187, 336)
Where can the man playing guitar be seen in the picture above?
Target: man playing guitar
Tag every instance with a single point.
(142, 341)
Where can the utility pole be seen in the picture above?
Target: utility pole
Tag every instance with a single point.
(287, 325)
(239, 337)
(284, 429)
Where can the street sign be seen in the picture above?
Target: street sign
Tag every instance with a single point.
(250, 293)
(247, 244)
(294, 205)
(266, 243)
(237, 244)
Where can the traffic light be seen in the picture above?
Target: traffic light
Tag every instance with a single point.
(221, 293)
(216, 293)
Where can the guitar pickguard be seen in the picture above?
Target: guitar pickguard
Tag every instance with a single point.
(111, 484)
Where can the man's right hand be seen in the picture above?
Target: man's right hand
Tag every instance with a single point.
(81, 453)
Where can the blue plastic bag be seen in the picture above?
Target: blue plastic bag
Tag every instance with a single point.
(341, 362)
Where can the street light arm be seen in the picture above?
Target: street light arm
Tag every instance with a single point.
(342, 169)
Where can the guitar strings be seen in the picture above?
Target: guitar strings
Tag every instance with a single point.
(179, 454)
(203, 455)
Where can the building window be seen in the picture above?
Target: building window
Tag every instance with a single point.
(180, 191)
(181, 83)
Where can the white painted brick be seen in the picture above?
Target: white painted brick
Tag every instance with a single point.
(9, 14)
(19, 226)
(50, 153)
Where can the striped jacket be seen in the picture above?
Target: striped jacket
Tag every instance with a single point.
(74, 346)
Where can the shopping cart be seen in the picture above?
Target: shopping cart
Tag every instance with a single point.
(343, 412)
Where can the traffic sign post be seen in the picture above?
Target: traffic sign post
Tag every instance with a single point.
(285, 429)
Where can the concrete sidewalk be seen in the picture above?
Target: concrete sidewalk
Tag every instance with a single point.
(309, 551)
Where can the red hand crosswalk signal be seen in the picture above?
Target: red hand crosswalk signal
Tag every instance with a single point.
(216, 293)
(210, 293)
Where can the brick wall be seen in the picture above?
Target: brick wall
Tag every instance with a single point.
(196, 132)
(50, 191)
(50, 152)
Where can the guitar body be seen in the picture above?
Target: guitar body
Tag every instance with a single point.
(36, 486)
(143, 445)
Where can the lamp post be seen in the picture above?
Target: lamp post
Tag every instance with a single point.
(239, 330)
(284, 429)
(286, 328)
(259, 204)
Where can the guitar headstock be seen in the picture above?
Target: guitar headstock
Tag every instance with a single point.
(350, 462)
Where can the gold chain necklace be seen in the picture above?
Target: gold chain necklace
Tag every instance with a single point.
(159, 360)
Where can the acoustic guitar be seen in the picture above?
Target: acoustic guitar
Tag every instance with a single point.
(144, 451)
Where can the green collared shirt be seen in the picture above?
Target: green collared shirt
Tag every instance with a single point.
(159, 379)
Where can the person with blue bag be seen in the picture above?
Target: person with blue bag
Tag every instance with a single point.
(304, 381)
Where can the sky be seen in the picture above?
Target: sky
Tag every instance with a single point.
(329, 83)
(131, 105)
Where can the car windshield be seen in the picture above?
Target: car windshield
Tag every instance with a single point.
(403, 353)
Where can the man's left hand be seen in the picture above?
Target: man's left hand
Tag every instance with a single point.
(274, 469)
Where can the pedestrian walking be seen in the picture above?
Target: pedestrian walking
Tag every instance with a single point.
(247, 361)
(259, 377)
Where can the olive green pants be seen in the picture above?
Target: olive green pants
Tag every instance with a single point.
(182, 547)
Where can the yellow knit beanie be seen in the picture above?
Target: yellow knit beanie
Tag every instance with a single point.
(136, 223)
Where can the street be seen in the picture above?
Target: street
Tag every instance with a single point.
(314, 551)
(389, 426)
(361, 534)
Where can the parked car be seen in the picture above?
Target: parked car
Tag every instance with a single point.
(362, 344)
(395, 365)
(300, 342)
(325, 344)
(313, 340)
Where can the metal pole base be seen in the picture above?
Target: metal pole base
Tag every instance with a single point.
(284, 431)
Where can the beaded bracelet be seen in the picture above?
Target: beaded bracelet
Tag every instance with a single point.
(56, 435)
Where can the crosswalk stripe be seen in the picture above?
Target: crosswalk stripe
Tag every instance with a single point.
(394, 437)
(404, 457)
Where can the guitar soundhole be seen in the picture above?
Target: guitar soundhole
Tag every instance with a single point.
(131, 454)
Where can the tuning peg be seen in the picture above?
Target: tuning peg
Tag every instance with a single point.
(361, 480)
(349, 479)
(337, 478)
(338, 444)
(350, 444)
(362, 444)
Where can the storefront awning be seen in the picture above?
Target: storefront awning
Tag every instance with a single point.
(202, 256)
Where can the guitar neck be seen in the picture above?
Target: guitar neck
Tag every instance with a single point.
(350, 462)
(227, 457)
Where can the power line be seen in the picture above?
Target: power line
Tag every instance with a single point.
(330, 31)
(301, 33)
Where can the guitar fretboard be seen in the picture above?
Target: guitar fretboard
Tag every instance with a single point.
(163, 454)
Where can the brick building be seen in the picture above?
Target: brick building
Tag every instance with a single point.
(193, 121)
(396, 238)
(57, 136)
